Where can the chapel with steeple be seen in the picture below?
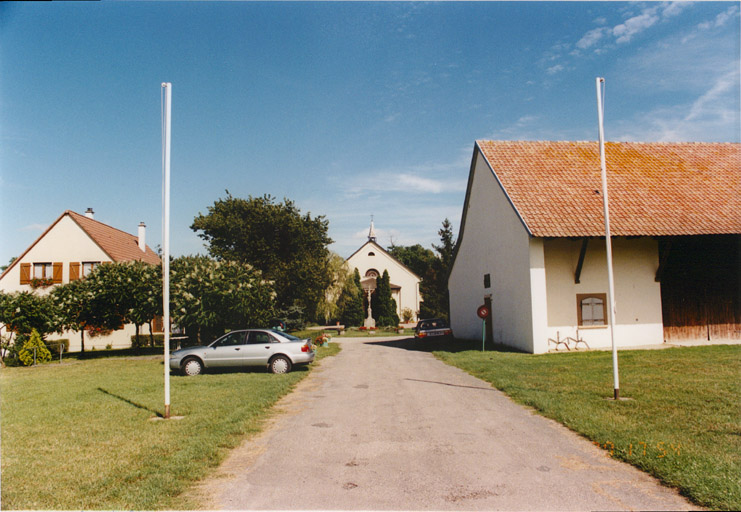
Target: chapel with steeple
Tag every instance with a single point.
(372, 259)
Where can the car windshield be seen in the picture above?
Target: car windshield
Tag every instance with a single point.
(434, 324)
(289, 337)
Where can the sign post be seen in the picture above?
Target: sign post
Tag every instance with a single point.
(483, 313)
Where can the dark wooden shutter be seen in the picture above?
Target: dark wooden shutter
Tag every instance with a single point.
(25, 273)
(74, 271)
(56, 273)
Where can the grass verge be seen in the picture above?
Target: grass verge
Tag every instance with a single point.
(81, 435)
(682, 424)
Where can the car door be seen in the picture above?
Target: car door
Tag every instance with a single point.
(261, 345)
(229, 350)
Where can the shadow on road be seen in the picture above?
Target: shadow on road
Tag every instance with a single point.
(439, 345)
(452, 385)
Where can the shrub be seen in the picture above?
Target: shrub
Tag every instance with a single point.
(53, 345)
(407, 315)
(26, 354)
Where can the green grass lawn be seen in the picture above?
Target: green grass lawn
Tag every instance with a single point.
(683, 424)
(80, 435)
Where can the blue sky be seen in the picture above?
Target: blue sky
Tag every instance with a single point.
(349, 109)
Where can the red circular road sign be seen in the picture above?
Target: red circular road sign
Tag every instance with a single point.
(483, 311)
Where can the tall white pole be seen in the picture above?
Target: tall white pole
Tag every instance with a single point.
(166, 238)
(612, 310)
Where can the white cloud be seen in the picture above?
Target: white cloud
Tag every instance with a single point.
(34, 227)
(635, 25)
(721, 19)
(555, 69)
(713, 116)
(591, 38)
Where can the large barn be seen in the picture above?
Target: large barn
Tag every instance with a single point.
(532, 246)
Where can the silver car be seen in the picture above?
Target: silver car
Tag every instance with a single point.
(278, 351)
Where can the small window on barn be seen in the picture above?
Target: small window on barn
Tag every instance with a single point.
(371, 253)
(487, 280)
(591, 308)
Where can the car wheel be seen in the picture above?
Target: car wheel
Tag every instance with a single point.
(192, 367)
(280, 364)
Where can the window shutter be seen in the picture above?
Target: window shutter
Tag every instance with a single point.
(56, 273)
(74, 271)
(25, 273)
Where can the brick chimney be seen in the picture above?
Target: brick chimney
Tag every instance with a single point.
(142, 237)
(89, 213)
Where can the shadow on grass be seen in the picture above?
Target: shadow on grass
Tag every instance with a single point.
(131, 402)
(239, 369)
(441, 345)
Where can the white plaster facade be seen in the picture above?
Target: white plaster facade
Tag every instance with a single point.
(67, 244)
(532, 280)
(371, 258)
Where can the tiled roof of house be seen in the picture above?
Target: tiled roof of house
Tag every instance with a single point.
(654, 189)
(119, 245)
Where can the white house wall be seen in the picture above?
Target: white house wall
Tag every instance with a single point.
(66, 242)
(637, 295)
(494, 242)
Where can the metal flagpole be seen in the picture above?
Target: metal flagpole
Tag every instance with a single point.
(166, 238)
(600, 82)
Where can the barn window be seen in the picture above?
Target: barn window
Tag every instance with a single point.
(371, 253)
(591, 308)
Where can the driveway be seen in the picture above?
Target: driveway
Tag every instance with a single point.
(380, 427)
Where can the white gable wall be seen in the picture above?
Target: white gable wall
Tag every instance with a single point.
(408, 296)
(66, 242)
(637, 295)
(495, 242)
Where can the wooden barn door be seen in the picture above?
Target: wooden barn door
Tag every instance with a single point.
(700, 287)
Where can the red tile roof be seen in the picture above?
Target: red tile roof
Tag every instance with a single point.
(119, 245)
(654, 189)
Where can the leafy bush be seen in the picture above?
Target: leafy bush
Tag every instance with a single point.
(26, 354)
(407, 315)
(53, 345)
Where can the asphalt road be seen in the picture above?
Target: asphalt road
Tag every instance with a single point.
(381, 427)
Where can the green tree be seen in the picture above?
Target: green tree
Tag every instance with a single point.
(384, 306)
(417, 258)
(34, 344)
(208, 297)
(144, 286)
(289, 248)
(70, 303)
(434, 286)
(350, 302)
(328, 308)
(22, 312)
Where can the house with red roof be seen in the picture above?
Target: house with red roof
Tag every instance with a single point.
(70, 248)
(532, 244)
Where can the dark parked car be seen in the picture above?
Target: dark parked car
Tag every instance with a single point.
(432, 327)
(276, 350)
